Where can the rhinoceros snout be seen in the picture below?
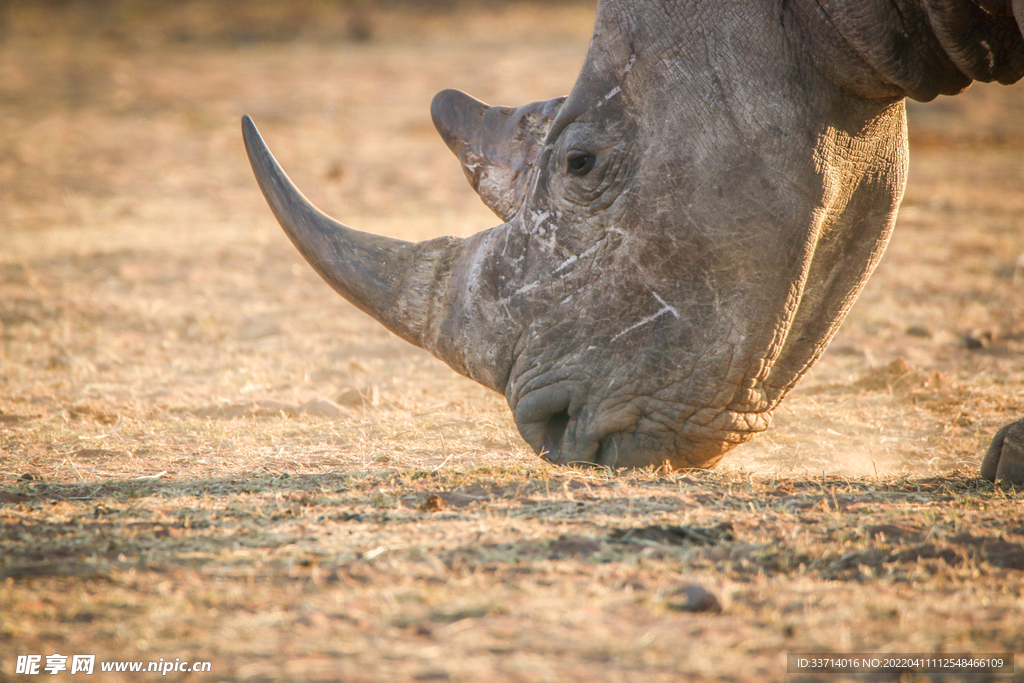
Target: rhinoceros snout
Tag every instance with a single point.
(544, 421)
(567, 427)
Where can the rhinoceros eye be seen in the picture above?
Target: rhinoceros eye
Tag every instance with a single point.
(580, 163)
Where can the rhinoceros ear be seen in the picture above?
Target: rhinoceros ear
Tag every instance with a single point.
(401, 284)
(935, 48)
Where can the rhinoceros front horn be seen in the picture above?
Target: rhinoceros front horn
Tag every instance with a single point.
(401, 284)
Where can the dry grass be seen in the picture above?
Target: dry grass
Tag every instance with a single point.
(164, 494)
(506, 573)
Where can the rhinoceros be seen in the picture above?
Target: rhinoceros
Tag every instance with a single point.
(684, 232)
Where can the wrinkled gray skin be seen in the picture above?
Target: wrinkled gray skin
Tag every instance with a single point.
(685, 231)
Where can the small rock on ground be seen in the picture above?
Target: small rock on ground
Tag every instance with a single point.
(694, 598)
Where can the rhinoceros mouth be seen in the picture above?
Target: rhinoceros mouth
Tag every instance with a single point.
(567, 434)
(700, 447)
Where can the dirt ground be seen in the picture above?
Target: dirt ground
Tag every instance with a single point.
(205, 454)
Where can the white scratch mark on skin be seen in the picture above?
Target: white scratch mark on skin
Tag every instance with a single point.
(611, 93)
(574, 258)
(505, 301)
(629, 65)
(991, 57)
(526, 288)
(504, 246)
(541, 230)
(474, 272)
(668, 308)
(665, 308)
(493, 183)
(566, 263)
(549, 244)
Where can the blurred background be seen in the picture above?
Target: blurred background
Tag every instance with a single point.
(144, 282)
(111, 107)
(139, 21)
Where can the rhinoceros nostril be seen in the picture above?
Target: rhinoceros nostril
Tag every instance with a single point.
(554, 434)
(608, 451)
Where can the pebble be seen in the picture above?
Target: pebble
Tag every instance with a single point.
(694, 598)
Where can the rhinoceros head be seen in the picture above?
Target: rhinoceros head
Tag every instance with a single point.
(683, 233)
